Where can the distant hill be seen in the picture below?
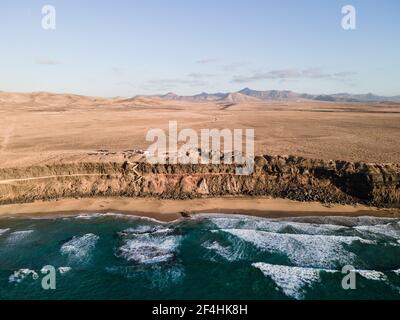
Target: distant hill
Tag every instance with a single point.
(271, 94)
(338, 97)
(250, 95)
(246, 95)
(204, 96)
(369, 97)
(238, 97)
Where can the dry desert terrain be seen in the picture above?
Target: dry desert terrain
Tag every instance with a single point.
(42, 128)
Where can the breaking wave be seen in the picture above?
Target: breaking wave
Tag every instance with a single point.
(79, 249)
(273, 225)
(22, 274)
(225, 252)
(291, 280)
(148, 245)
(372, 275)
(92, 216)
(18, 236)
(63, 270)
(2, 231)
(304, 250)
(391, 230)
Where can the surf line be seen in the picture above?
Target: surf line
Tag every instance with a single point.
(163, 310)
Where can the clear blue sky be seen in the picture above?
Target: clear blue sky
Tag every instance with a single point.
(124, 48)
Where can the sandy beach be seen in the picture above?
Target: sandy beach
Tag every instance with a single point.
(169, 210)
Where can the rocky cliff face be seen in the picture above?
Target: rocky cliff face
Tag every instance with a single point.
(285, 177)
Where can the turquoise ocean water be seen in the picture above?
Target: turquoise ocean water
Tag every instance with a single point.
(112, 256)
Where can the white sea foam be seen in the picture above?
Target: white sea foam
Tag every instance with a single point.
(222, 251)
(391, 230)
(18, 236)
(274, 225)
(342, 220)
(63, 270)
(397, 272)
(21, 274)
(245, 222)
(320, 220)
(372, 275)
(291, 280)
(142, 229)
(149, 248)
(79, 248)
(314, 228)
(90, 216)
(2, 231)
(318, 251)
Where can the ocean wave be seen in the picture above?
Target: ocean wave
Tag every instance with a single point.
(222, 251)
(90, 216)
(346, 221)
(22, 274)
(63, 270)
(18, 236)
(273, 225)
(291, 280)
(79, 248)
(342, 220)
(2, 231)
(319, 251)
(87, 216)
(154, 246)
(397, 272)
(372, 275)
(391, 230)
(145, 229)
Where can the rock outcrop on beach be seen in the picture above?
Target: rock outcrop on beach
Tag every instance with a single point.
(288, 177)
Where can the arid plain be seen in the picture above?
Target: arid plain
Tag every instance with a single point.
(41, 128)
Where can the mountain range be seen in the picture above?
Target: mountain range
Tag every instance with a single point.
(249, 95)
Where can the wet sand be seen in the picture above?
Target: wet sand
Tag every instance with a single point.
(169, 210)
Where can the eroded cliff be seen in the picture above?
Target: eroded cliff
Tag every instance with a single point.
(277, 176)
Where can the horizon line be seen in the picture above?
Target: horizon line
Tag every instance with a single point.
(199, 93)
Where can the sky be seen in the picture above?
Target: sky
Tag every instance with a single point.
(133, 47)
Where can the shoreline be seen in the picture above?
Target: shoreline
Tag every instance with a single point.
(170, 210)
